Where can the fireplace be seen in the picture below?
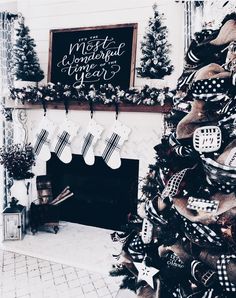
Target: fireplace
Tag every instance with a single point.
(116, 190)
(102, 197)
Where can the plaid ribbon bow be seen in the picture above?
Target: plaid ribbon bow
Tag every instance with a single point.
(173, 184)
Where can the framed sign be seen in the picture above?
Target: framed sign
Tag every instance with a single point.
(93, 55)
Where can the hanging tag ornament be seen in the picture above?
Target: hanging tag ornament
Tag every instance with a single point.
(207, 139)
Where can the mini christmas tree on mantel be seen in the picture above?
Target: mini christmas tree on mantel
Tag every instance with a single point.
(26, 65)
(155, 62)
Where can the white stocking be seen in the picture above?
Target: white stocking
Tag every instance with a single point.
(91, 137)
(61, 143)
(115, 139)
(41, 143)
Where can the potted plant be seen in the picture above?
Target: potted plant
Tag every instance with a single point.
(18, 160)
(26, 67)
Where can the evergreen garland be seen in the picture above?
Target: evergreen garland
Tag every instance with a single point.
(26, 65)
(155, 62)
(106, 94)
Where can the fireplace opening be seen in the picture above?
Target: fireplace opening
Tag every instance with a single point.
(103, 197)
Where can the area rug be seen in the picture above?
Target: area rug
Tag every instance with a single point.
(75, 245)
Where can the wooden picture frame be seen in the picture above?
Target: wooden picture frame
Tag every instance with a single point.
(93, 55)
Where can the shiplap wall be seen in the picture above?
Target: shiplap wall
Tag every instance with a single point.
(43, 15)
(147, 128)
(8, 5)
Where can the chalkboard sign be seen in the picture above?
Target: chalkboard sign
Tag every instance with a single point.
(93, 55)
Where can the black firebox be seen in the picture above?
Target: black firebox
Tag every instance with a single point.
(103, 197)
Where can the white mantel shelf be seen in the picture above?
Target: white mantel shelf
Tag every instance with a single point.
(97, 107)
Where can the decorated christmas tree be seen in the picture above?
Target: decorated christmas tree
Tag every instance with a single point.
(182, 243)
(155, 61)
(26, 65)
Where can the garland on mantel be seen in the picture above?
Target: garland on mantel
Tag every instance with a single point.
(106, 94)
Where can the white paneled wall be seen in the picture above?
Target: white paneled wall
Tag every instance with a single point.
(8, 5)
(43, 15)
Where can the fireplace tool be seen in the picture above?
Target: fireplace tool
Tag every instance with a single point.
(44, 211)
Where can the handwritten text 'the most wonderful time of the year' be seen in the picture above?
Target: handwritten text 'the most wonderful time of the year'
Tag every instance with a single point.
(91, 60)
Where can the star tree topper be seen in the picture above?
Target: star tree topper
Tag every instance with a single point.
(146, 273)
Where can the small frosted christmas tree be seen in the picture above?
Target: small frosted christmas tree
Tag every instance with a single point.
(26, 63)
(155, 62)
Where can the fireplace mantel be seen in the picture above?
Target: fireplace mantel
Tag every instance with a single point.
(73, 105)
(146, 130)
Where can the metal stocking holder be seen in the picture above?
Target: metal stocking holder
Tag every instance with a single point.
(117, 109)
(66, 105)
(91, 107)
(44, 106)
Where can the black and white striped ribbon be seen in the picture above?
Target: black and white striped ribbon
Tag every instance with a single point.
(178, 147)
(201, 234)
(118, 237)
(209, 294)
(219, 175)
(152, 214)
(63, 141)
(206, 96)
(228, 109)
(42, 138)
(177, 293)
(112, 145)
(186, 80)
(201, 294)
(215, 166)
(87, 143)
(192, 57)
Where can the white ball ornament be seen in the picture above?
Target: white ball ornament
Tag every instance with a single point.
(155, 61)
